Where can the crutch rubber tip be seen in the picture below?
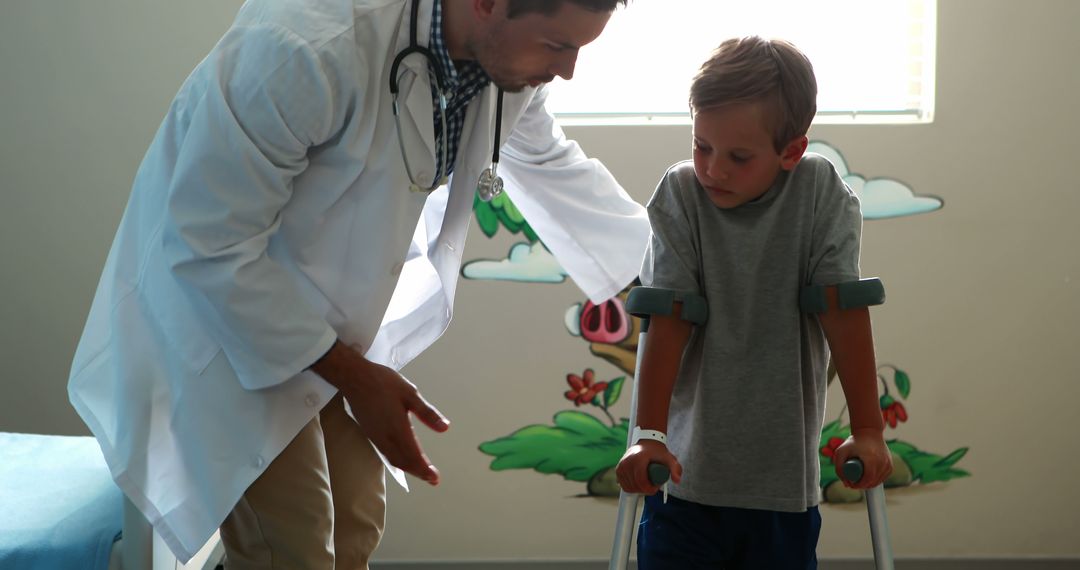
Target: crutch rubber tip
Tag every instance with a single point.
(658, 473)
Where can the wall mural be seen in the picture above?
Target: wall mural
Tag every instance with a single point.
(583, 444)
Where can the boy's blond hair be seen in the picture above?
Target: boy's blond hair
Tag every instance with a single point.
(753, 69)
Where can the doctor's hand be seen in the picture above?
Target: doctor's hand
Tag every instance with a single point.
(381, 400)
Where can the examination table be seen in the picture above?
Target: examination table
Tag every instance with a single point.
(60, 509)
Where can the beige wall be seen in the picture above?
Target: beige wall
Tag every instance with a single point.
(982, 307)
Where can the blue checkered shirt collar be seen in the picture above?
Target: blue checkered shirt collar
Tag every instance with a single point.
(461, 86)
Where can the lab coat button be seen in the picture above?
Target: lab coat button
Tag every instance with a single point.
(312, 400)
(258, 462)
(450, 246)
(396, 269)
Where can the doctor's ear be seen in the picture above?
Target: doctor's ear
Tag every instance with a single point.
(485, 9)
(793, 152)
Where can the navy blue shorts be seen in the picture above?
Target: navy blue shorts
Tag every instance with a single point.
(683, 535)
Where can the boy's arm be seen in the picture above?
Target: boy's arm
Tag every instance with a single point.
(851, 342)
(667, 337)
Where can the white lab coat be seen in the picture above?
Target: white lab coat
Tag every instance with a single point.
(271, 215)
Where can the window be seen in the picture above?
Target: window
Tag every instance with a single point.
(874, 59)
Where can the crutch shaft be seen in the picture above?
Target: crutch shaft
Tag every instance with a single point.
(879, 521)
(879, 528)
(624, 531)
(628, 502)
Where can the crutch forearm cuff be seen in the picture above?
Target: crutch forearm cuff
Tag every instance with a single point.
(645, 302)
(849, 295)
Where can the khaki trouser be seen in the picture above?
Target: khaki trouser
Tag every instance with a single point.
(320, 505)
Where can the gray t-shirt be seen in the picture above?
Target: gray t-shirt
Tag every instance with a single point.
(747, 407)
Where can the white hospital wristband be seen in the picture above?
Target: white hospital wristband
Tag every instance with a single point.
(640, 434)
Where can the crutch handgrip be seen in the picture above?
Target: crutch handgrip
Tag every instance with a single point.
(658, 473)
(853, 469)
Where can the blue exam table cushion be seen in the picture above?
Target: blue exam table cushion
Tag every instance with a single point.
(59, 507)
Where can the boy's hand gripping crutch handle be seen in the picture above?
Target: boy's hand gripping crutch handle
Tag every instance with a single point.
(879, 522)
(624, 529)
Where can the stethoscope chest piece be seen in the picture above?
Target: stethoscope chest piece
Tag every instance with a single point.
(490, 184)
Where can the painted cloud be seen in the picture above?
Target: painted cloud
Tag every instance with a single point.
(528, 263)
(880, 197)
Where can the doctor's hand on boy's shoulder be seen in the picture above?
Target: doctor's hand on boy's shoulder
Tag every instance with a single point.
(869, 446)
(633, 469)
(381, 400)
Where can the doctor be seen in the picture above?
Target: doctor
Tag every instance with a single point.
(281, 257)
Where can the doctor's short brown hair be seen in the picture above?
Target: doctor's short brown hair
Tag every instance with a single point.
(517, 8)
(753, 69)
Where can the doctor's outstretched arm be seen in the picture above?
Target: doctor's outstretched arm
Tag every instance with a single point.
(585, 218)
(381, 400)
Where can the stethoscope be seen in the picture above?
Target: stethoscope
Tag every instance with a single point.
(490, 184)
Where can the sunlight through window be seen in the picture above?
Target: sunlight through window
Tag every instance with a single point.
(874, 59)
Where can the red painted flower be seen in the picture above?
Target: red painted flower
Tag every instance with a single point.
(830, 449)
(892, 411)
(582, 389)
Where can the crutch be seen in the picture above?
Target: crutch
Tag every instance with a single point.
(644, 302)
(879, 522)
(849, 295)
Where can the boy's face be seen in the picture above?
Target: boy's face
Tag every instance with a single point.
(734, 157)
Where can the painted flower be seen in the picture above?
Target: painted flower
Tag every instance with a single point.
(830, 449)
(582, 389)
(892, 411)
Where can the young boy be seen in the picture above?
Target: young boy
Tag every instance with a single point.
(747, 225)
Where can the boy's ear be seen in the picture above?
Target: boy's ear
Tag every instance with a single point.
(793, 152)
